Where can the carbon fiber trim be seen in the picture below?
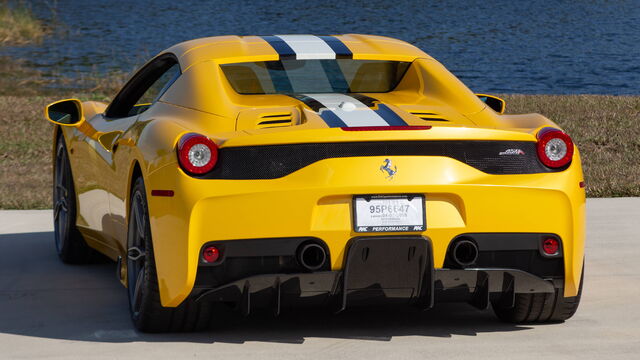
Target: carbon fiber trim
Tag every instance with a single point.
(276, 161)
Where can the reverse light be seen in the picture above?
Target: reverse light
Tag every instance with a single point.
(197, 154)
(210, 254)
(555, 148)
(551, 246)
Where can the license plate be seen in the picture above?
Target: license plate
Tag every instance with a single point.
(389, 213)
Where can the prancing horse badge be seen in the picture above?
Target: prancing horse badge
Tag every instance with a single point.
(387, 167)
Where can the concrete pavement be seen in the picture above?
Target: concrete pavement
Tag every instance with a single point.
(51, 310)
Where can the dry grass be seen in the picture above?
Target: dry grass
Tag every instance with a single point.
(25, 136)
(606, 128)
(19, 80)
(18, 26)
(25, 158)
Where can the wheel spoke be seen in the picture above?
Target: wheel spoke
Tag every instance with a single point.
(63, 189)
(138, 215)
(59, 169)
(61, 205)
(137, 293)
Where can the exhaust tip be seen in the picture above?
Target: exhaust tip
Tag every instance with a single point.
(464, 252)
(312, 256)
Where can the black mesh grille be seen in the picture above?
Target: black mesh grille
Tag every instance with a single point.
(275, 161)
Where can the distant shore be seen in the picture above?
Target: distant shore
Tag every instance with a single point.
(606, 128)
(18, 25)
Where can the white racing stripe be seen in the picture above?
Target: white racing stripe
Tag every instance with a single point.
(308, 47)
(351, 111)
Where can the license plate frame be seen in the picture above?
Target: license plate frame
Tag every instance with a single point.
(416, 222)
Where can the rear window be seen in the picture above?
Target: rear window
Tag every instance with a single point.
(315, 76)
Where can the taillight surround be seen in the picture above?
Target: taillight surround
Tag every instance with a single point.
(197, 154)
(555, 148)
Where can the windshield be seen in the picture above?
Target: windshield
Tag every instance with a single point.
(315, 76)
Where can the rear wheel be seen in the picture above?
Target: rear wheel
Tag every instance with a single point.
(70, 244)
(147, 312)
(540, 308)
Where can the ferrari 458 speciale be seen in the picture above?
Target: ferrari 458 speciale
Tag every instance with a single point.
(275, 172)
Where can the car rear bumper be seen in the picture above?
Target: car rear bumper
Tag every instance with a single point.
(316, 202)
(379, 270)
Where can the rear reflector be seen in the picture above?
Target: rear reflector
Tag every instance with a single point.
(384, 128)
(582, 184)
(551, 246)
(167, 193)
(211, 254)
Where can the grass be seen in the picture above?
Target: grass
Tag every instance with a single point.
(25, 144)
(18, 26)
(606, 129)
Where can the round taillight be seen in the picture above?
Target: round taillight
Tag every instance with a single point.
(551, 246)
(197, 154)
(210, 254)
(555, 148)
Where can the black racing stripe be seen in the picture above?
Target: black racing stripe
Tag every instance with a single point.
(367, 100)
(390, 116)
(331, 119)
(284, 50)
(279, 77)
(336, 78)
(314, 104)
(341, 50)
(382, 110)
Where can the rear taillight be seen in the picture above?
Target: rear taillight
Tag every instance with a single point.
(555, 148)
(197, 154)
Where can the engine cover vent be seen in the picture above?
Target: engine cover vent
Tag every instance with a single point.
(427, 116)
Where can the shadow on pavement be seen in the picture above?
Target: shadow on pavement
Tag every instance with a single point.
(41, 297)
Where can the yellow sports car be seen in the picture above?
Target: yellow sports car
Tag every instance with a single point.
(273, 172)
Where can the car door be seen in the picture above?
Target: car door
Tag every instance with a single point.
(92, 202)
(117, 129)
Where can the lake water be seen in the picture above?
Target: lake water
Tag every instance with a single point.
(557, 47)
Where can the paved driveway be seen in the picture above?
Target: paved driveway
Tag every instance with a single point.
(51, 310)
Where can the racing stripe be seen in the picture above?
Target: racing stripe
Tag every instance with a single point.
(351, 111)
(308, 47)
(341, 50)
(279, 45)
(390, 116)
(331, 118)
(383, 110)
(341, 110)
(314, 104)
(367, 100)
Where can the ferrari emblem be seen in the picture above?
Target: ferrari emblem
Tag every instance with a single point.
(387, 167)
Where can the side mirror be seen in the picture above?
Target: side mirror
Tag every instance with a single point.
(498, 105)
(65, 112)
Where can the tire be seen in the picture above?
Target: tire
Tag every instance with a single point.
(147, 312)
(540, 308)
(70, 245)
